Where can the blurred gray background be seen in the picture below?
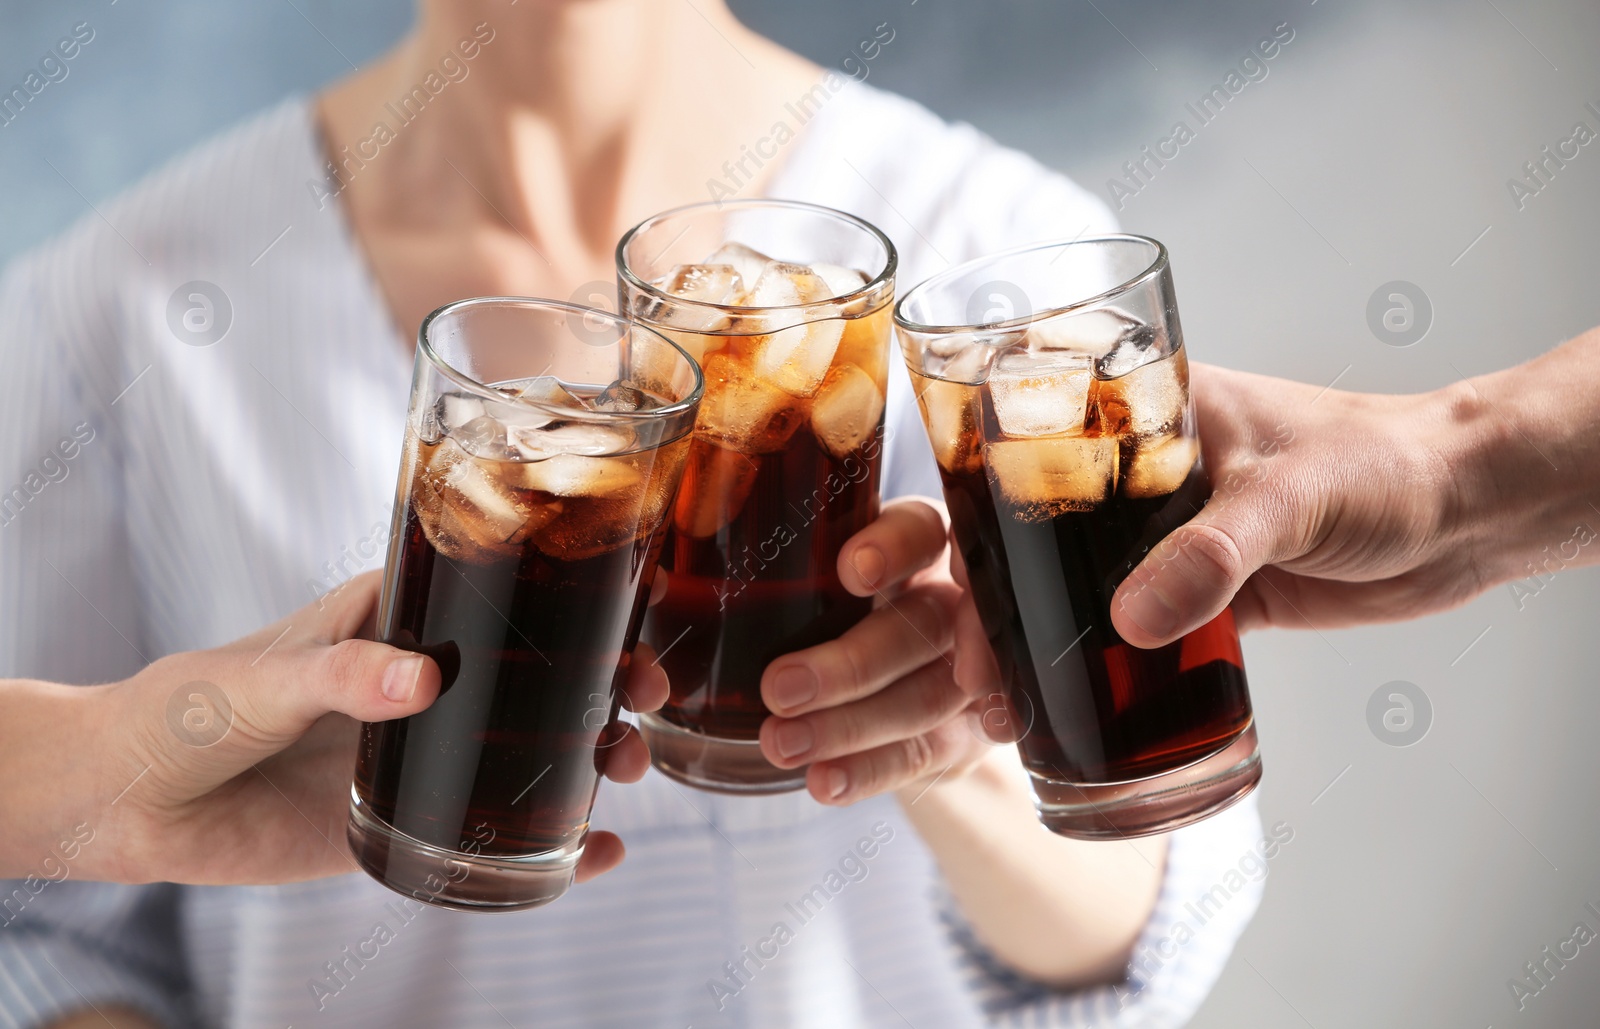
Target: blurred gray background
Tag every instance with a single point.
(1420, 879)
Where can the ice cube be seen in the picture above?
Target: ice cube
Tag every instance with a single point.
(1147, 401)
(569, 437)
(1158, 469)
(841, 281)
(484, 437)
(716, 484)
(1139, 346)
(953, 413)
(1046, 477)
(846, 410)
(450, 411)
(1095, 332)
(573, 475)
(621, 396)
(546, 390)
(795, 358)
(746, 262)
(705, 283)
(1040, 393)
(468, 510)
(743, 411)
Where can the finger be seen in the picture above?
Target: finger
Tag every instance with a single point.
(928, 756)
(908, 536)
(602, 851)
(279, 695)
(625, 757)
(906, 708)
(1189, 577)
(975, 669)
(658, 588)
(646, 687)
(909, 631)
(342, 613)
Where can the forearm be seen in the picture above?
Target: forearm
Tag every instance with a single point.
(1525, 447)
(1062, 912)
(49, 756)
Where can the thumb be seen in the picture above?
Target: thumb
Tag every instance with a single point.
(321, 666)
(226, 709)
(1189, 577)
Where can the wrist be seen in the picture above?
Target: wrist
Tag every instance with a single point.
(50, 752)
(1511, 452)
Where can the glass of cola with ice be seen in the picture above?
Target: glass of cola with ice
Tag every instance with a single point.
(544, 445)
(787, 307)
(1054, 386)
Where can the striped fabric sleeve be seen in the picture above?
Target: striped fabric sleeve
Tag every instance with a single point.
(81, 947)
(1211, 887)
(68, 614)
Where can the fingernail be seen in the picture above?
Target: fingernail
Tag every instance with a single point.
(794, 686)
(869, 564)
(400, 679)
(838, 780)
(1151, 611)
(794, 738)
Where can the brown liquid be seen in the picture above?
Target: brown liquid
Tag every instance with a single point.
(532, 640)
(766, 585)
(761, 579)
(1084, 705)
(1098, 710)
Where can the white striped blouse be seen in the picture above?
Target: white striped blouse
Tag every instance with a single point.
(168, 485)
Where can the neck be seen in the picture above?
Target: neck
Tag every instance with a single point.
(567, 121)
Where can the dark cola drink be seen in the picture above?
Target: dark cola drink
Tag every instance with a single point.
(1064, 466)
(783, 470)
(526, 543)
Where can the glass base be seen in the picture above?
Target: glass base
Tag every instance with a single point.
(1157, 804)
(450, 879)
(715, 764)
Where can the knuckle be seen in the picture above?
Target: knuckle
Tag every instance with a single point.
(916, 756)
(935, 696)
(343, 664)
(849, 671)
(1215, 558)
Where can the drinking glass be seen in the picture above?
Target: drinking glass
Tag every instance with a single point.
(543, 447)
(1054, 385)
(787, 307)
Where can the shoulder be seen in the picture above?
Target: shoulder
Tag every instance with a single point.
(204, 215)
(932, 184)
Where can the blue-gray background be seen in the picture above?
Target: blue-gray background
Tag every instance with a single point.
(1378, 148)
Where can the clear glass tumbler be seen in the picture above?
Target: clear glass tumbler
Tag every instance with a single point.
(1055, 389)
(544, 445)
(787, 307)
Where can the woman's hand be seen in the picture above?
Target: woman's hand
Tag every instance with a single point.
(1334, 508)
(234, 765)
(890, 703)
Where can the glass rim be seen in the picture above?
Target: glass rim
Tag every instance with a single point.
(488, 392)
(890, 265)
(1157, 265)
